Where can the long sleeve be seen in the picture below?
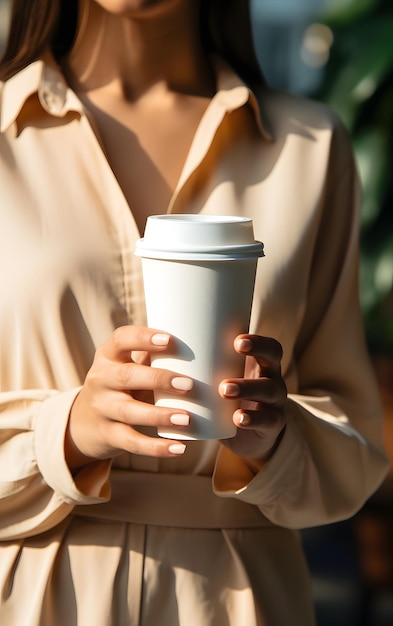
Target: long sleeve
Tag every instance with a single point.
(42, 364)
(331, 458)
(37, 490)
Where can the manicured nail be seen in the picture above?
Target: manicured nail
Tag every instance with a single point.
(182, 384)
(159, 339)
(244, 345)
(231, 389)
(180, 419)
(177, 448)
(244, 419)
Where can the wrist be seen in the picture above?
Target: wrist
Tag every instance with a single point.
(257, 464)
(74, 457)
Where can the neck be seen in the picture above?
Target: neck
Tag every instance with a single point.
(140, 49)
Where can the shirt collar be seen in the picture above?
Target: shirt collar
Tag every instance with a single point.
(44, 79)
(57, 99)
(233, 94)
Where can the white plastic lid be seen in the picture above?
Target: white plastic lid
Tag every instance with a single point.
(199, 237)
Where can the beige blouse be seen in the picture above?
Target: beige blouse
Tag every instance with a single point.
(197, 540)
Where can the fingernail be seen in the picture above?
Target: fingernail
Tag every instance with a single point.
(180, 419)
(177, 448)
(231, 389)
(159, 339)
(182, 384)
(244, 345)
(244, 419)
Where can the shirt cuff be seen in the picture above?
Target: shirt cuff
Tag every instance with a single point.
(233, 478)
(91, 483)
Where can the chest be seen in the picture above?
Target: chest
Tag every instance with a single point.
(146, 148)
(74, 196)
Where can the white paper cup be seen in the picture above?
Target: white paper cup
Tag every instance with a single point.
(199, 274)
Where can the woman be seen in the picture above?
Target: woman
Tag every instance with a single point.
(113, 110)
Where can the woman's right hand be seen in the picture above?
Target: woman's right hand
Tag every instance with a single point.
(116, 399)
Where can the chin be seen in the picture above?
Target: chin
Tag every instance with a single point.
(124, 7)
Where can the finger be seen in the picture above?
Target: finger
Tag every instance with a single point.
(126, 438)
(258, 445)
(127, 339)
(266, 350)
(131, 376)
(140, 357)
(135, 413)
(268, 391)
(268, 420)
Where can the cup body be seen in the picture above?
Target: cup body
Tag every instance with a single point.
(201, 295)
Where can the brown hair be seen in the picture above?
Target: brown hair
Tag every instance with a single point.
(37, 24)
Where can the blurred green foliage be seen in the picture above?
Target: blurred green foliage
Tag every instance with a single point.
(358, 84)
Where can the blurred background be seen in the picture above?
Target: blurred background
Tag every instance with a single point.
(341, 52)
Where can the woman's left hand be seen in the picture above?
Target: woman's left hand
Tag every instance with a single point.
(261, 418)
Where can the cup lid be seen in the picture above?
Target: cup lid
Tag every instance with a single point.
(199, 237)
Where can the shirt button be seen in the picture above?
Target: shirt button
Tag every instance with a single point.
(53, 92)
